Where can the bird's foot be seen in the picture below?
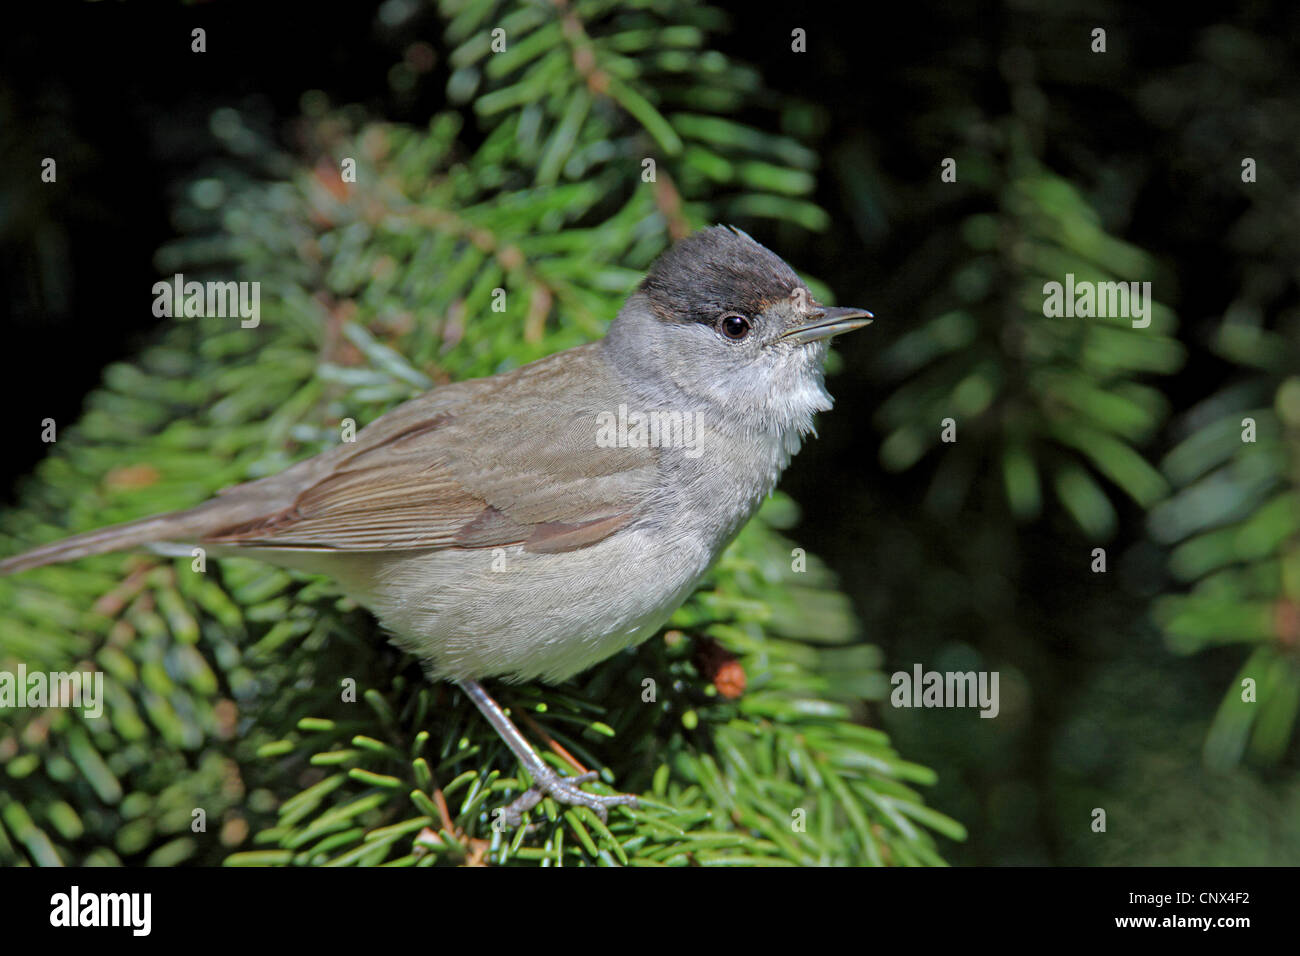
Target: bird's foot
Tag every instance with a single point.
(567, 791)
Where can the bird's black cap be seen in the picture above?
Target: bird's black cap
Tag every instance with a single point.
(716, 270)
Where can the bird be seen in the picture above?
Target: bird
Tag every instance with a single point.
(530, 524)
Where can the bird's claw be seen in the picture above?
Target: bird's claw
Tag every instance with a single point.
(567, 791)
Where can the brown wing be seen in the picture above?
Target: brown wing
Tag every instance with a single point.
(507, 460)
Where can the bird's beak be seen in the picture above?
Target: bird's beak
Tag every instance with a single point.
(829, 321)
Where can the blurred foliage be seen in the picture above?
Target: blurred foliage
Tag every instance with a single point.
(224, 688)
(1233, 528)
(1039, 399)
(1079, 433)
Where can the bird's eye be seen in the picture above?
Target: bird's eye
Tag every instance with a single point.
(733, 326)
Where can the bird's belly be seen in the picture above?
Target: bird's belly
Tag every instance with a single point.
(509, 613)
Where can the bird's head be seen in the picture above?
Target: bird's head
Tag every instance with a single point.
(728, 324)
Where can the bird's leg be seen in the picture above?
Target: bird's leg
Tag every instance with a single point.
(546, 782)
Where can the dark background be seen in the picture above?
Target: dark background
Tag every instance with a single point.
(1114, 716)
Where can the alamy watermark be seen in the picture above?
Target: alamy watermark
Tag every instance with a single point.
(53, 689)
(133, 911)
(946, 689)
(208, 300)
(652, 429)
(1101, 300)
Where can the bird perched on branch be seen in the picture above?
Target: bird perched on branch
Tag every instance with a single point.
(530, 524)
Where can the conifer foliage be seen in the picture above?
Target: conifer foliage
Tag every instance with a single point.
(254, 716)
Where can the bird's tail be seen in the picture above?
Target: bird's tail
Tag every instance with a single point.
(232, 507)
(173, 526)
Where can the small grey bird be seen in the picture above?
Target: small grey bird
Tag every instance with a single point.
(531, 524)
